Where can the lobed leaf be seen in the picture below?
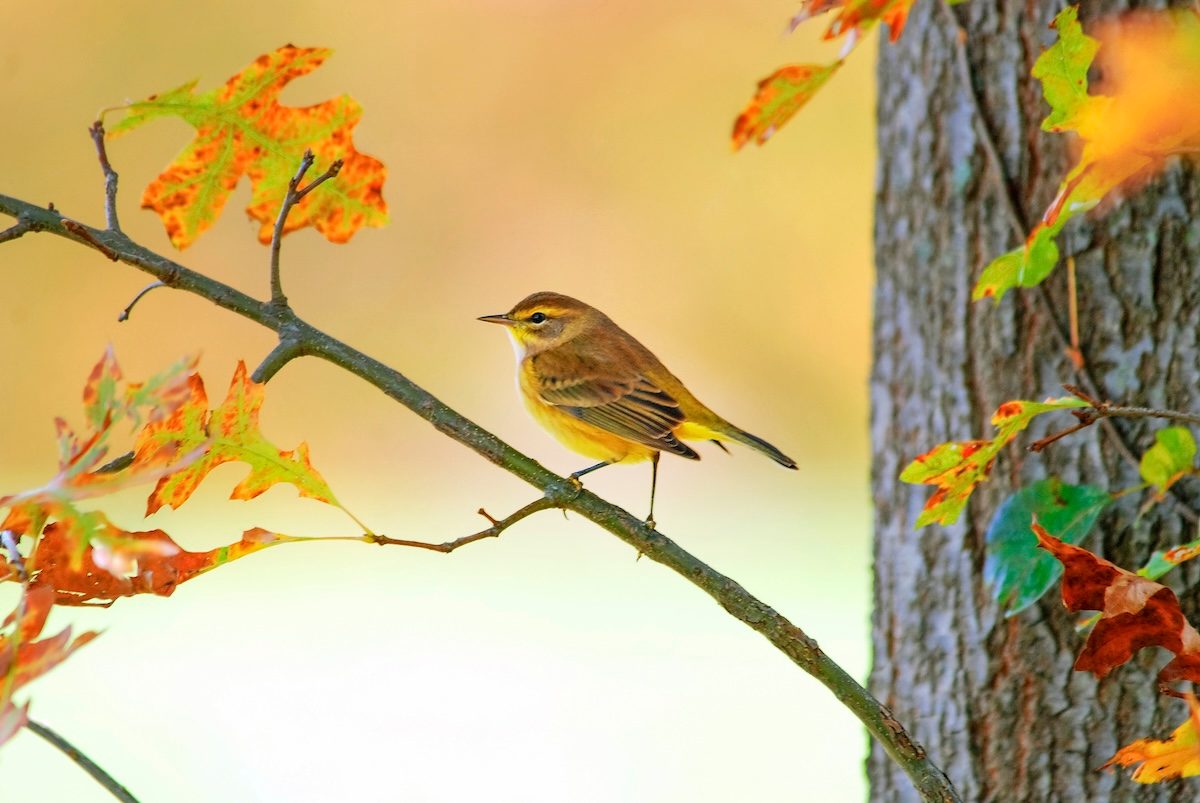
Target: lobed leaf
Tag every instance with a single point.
(1018, 572)
(1135, 612)
(956, 468)
(123, 563)
(230, 432)
(1163, 760)
(242, 129)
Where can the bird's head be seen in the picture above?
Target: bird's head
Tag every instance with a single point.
(545, 320)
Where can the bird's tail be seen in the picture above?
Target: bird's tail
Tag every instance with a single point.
(758, 444)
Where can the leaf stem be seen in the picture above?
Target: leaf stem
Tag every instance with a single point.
(90, 767)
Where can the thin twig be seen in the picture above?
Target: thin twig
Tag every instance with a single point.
(90, 767)
(293, 196)
(498, 526)
(110, 177)
(22, 226)
(124, 316)
(88, 234)
(1100, 410)
(1073, 350)
(284, 352)
(789, 639)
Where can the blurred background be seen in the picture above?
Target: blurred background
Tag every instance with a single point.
(578, 146)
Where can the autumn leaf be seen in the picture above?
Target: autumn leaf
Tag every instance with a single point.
(1018, 572)
(230, 432)
(956, 468)
(1150, 62)
(856, 17)
(1169, 459)
(24, 657)
(123, 563)
(780, 95)
(1136, 612)
(242, 129)
(1163, 760)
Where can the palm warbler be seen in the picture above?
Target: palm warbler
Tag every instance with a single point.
(604, 394)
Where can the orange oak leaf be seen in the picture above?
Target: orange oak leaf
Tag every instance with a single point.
(856, 17)
(150, 562)
(242, 129)
(1163, 760)
(23, 657)
(956, 468)
(780, 95)
(1135, 612)
(107, 402)
(230, 432)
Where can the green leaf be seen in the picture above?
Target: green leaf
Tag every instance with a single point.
(1169, 458)
(1164, 560)
(1018, 572)
(1063, 69)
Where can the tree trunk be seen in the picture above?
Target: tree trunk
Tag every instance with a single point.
(996, 702)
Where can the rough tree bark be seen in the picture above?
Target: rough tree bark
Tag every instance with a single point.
(996, 701)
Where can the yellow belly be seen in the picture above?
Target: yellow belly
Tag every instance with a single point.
(584, 438)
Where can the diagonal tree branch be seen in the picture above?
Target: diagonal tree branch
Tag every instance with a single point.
(90, 767)
(299, 337)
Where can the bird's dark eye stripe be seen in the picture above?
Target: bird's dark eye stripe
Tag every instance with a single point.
(537, 317)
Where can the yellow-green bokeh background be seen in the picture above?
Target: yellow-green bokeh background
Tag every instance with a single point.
(531, 144)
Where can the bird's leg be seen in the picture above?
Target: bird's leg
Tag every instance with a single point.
(653, 486)
(574, 478)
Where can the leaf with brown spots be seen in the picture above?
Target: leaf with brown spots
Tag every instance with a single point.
(780, 95)
(856, 17)
(1135, 612)
(123, 563)
(956, 468)
(242, 129)
(230, 432)
(1164, 760)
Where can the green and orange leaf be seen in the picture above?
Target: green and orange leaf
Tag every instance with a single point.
(956, 468)
(1135, 612)
(1162, 760)
(780, 95)
(856, 17)
(1171, 458)
(230, 432)
(1151, 67)
(242, 129)
(24, 657)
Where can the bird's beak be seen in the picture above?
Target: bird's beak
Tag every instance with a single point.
(500, 319)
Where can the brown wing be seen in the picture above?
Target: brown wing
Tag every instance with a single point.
(618, 401)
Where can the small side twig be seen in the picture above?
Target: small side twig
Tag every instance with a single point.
(295, 193)
(81, 231)
(22, 226)
(124, 316)
(90, 767)
(110, 177)
(498, 526)
(1100, 410)
(284, 352)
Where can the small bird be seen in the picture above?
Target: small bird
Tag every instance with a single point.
(604, 394)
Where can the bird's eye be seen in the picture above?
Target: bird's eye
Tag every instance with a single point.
(537, 317)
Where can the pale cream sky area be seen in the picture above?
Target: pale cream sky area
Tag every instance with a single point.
(531, 145)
